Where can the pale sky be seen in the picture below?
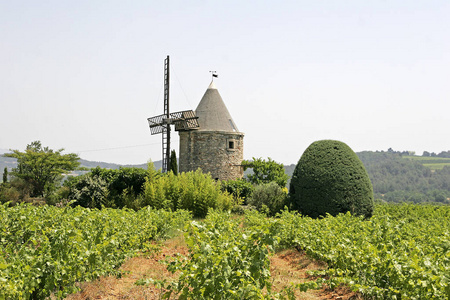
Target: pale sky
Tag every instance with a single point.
(86, 75)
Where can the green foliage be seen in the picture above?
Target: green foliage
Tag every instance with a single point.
(41, 168)
(226, 261)
(5, 175)
(330, 179)
(266, 171)
(15, 191)
(5, 193)
(48, 249)
(124, 181)
(402, 252)
(111, 188)
(268, 198)
(437, 196)
(445, 154)
(173, 166)
(192, 191)
(91, 191)
(405, 178)
(240, 188)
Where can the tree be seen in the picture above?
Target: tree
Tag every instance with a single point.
(445, 154)
(5, 175)
(173, 166)
(41, 168)
(330, 178)
(266, 171)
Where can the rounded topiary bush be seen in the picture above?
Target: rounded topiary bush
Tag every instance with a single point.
(330, 178)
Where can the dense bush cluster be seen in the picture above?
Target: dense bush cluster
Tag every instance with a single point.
(108, 187)
(193, 191)
(330, 179)
(90, 191)
(268, 198)
(136, 188)
(133, 187)
(240, 189)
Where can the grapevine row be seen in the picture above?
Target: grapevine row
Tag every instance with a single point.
(47, 249)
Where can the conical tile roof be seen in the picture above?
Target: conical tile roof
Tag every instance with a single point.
(212, 113)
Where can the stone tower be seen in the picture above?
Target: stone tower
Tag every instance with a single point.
(216, 146)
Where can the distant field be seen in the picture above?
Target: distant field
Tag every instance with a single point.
(434, 163)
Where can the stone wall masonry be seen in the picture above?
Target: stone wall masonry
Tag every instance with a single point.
(209, 151)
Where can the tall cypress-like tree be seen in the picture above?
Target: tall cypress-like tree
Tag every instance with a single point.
(173, 166)
(5, 175)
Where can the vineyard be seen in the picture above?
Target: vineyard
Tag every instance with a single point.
(402, 252)
(47, 249)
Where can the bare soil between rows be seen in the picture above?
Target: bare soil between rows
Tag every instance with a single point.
(287, 266)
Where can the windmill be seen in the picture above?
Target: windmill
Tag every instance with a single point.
(183, 120)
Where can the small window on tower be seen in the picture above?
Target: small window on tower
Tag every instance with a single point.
(231, 144)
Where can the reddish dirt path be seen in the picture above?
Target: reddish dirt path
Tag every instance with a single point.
(288, 266)
(135, 268)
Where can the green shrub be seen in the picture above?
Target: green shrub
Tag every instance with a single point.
(268, 198)
(330, 178)
(123, 180)
(15, 191)
(240, 188)
(90, 191)
(192, 191)
(123, 186)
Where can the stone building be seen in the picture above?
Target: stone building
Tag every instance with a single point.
(217, 146)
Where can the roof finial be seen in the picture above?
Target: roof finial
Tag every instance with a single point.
(214, 74)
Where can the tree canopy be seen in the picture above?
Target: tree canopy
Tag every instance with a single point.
(265, 171)
(41, 167)
(398, 179)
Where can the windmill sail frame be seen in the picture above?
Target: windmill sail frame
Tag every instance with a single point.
(183, 120)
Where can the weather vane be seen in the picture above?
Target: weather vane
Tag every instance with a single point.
(214, 74)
